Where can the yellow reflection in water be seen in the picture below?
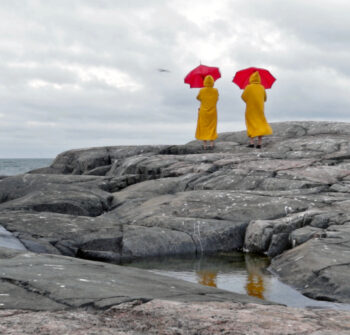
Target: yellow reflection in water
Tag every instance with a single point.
(207, 277)
(256, 281)
(255, 285)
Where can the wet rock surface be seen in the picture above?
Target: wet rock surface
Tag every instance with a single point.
(51, 282)
(289, 200)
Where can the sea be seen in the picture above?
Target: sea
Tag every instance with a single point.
(14, 166)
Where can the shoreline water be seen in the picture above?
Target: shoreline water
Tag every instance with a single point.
(14, 166)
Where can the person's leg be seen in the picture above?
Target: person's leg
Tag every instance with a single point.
(204, 144)
(251, 142)
(259, 142)
(212, 144)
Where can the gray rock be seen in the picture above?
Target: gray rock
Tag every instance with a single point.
(50, 282)
(38, 245)
(330, 218)
(152, 188)
(69, 235)
(279, 243)
(320, 267)
(272, 236)
(77, 195)
(322, 175)
(113, 203)
(258, 236)
(83, 160)
(7, 240)
(207, 235)
(155, 241)
(220, 205)
(302, 235)
(99, 171)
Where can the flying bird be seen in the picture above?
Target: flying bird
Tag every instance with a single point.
(163, 70)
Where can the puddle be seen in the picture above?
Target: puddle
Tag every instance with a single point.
(235, 272)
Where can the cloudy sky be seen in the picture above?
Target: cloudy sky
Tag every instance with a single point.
(82, 73)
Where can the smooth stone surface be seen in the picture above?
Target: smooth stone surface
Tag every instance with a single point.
(77, 195)
(50, 282)
(319, 268)
(302, 235)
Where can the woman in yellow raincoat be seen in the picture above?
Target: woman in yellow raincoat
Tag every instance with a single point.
(254, 96)
(207, 114)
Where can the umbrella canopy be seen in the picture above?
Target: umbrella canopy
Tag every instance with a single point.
(195, 77)
(241, 77)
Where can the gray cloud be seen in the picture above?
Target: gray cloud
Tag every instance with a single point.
(84, 73)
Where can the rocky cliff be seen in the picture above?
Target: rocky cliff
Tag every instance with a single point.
(289, 200)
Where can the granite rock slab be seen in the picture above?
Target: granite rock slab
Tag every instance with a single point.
(121, 202)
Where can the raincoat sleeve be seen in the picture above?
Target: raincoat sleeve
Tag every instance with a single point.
(199, 96)
(265, 97)
(244, 95)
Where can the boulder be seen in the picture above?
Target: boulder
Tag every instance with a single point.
(268, 236)
(302, 235)
(77, 195)
(320, 267)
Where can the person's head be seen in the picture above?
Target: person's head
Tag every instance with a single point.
(255, 78)
(208, 81)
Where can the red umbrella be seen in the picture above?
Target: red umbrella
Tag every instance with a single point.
(196, 76)
(241, 77)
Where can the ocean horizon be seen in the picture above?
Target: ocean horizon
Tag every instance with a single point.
(14, 166)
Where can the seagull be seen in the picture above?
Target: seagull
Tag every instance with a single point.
(163, 70)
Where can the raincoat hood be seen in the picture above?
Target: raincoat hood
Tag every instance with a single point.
(208, 81)
(255, 78)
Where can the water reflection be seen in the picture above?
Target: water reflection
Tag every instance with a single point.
(207, 277)
(207, 274)
(255, 285)
(235, 272)
(250, 277)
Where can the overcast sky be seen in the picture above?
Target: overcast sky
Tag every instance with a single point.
(82, 73)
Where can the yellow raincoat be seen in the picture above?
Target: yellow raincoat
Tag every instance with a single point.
(254, 96)
(207, 114)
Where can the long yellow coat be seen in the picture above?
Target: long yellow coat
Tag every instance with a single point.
(207, 114)
(254, 96)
